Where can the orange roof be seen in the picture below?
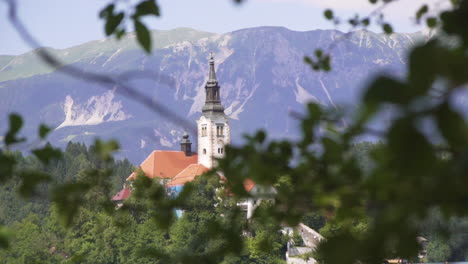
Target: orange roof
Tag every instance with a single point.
(165, 164)
(249, 185)
(122, 195)
(188, 174)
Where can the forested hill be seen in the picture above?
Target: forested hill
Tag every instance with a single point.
(261, 72)
(76, 159)
(98, 235)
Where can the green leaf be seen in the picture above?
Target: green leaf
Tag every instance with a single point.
(30, 179)
(308, 60)
(404, 141)
(423, 68)
(4, 237)
(332, 150)
(43, 131)
(431, 22)
(318, 53)
(113, 21)
(68, 198)
(353, 22)
(387, 28)
(365, 22)
(105, 149)
(423, 10)
(386, 90)
(148, 7)
(326, 66)
(16, 122)
(260, 136)
(7, 166)
(328, 14)
(143, 36)
(452, 126)
(107, 11)
(119, 33)
(47, 154)
(454, 21)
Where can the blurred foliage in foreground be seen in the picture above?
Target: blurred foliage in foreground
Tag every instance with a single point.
(414, 175)
(413, 172)
(145, 229)
(137, 233)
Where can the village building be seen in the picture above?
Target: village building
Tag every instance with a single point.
(175, 168)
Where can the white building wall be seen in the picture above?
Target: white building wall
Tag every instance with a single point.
(204, 144)
(208, 145)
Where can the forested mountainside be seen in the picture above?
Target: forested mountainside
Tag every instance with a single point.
(99, 234)
(76, 159)
(132, 235)
(261, 72)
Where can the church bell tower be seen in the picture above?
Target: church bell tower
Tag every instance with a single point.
(213, 126)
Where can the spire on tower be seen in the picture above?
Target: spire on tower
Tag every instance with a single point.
(212, 76)
(212, 89)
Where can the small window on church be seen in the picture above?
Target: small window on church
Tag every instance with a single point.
(204, 151)
(203, 131)
(219, 130)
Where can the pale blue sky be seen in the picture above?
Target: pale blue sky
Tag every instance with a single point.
(65, 23)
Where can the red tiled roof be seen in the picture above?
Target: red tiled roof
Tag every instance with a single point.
(165, 164)
(132, 176)
(188, 174)
(249, 185)
(122, 195)
(177, 166)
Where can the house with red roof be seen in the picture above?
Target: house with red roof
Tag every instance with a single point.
(176, 168)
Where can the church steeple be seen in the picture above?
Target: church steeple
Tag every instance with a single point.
(212, 101)
(214, 132)
(212, 76)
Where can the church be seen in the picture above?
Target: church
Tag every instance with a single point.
(175, 168)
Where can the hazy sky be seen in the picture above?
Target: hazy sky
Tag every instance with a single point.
(64, 23)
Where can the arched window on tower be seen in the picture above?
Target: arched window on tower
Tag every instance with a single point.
(204, 151)
(219, 130)
(203, 131)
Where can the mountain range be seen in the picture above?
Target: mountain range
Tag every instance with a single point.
(261, 72)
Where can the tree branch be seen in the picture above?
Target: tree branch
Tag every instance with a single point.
(106, 81)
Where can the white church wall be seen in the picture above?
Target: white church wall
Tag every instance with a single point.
(205, 151)
(212, 146)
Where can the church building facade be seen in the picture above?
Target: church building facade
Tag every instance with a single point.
(213, 125)
(175, 168)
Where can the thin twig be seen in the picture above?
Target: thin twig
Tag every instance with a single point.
(347, 35)
(104, 80)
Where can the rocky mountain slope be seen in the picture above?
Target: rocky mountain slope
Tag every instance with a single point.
(260, 70)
